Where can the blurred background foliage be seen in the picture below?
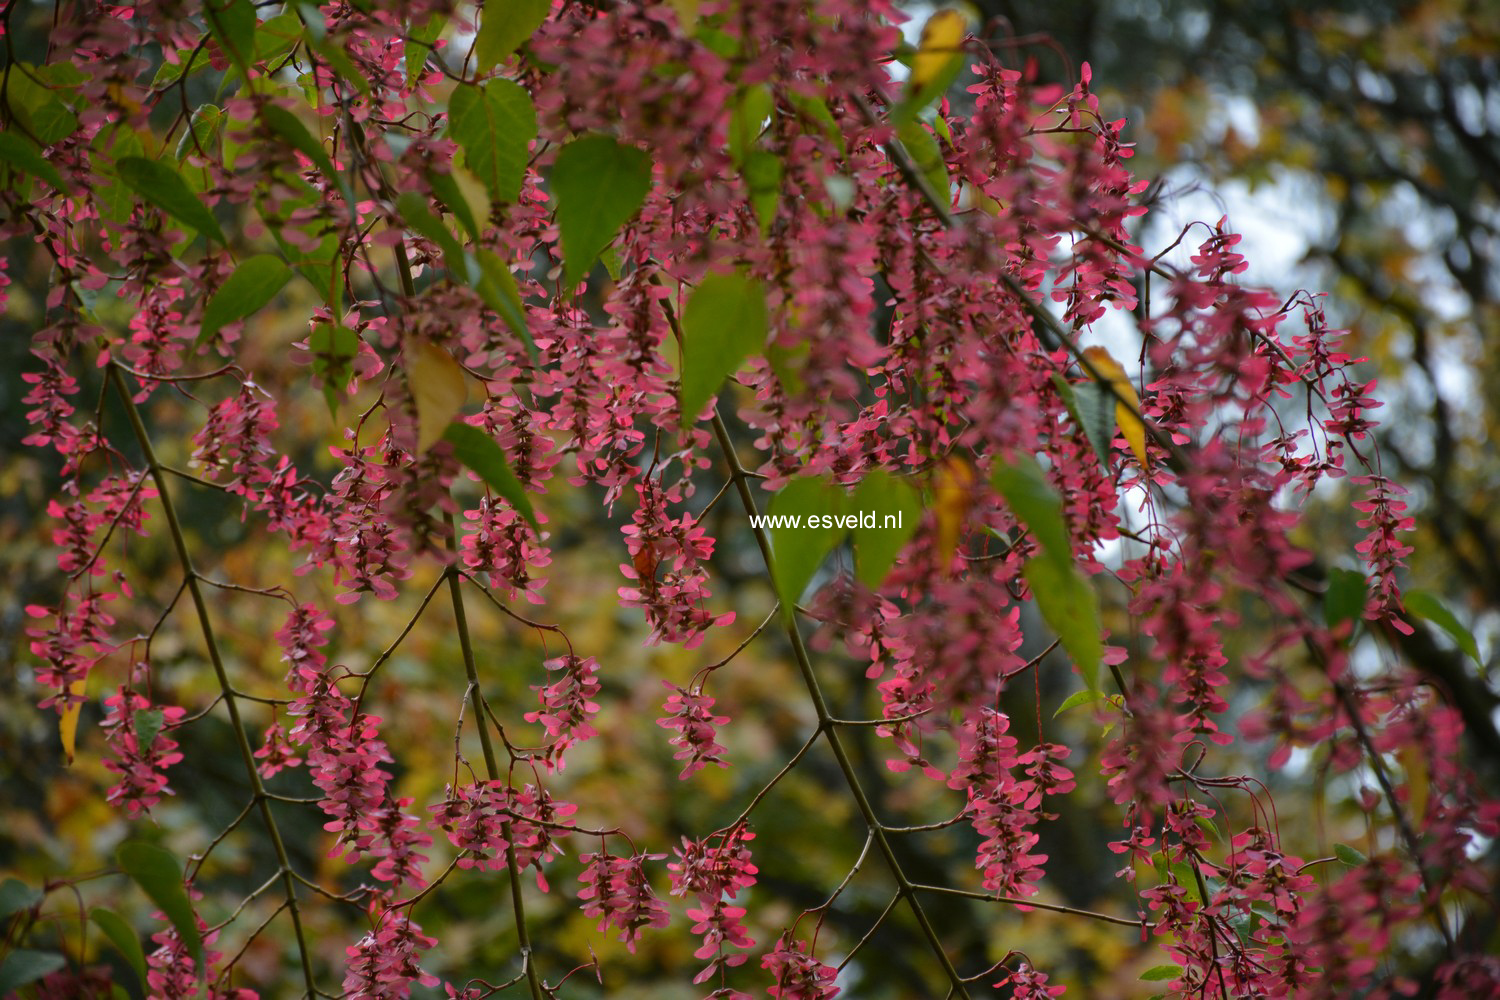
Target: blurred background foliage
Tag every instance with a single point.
(1374, 125)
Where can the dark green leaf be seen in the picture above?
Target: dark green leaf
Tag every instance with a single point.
(497, 286)
(253, 284)
(123, 937)
(290, 127)
(148, 723)
(420, 220)
(927, 157)
(202, 132)
(447, 191)
(161, 185)
(16, 896)
(494, 125)
(419, 45)
(233, 27)
(599, 185)
(815, 110)
(1092, 407)
(23, 966)
(1035, 504)
(53, 121)
(876, 546)
(158, 873)
(504, 25)
(22, 155)
(1429, 606)
(1349, 855)
(333, 346)
(1345, 598)
(276, 36)
(763, 178)
(1184, 873)
(1158, 973)
(724, 322)
(1071, 608)
(747, 121)
(479, 452)
(799, 551)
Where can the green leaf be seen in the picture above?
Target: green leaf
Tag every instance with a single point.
(1345, 598)
(479, 452)
(1070, 607)
(420, 220)
(161, 185)
(1209, 827)
(504, 25)
(1092, 408)
(290, 127)
(419, 44)
(202, 131)
(24, 966)
(16, 896)
(763, 177)
(497, 286)
(815, 110)
(123, 937)
(747, 121)
(53, 121)
(333, 346)
(447, 191)
(927, 157)
(330, 49)
(1035, 504)
(22, 155)
(1349, 855)
(157, 872)
(1427, 605)
(251, 285)
(1188, 879)
(599, 185)
(494, 125)
(274, 37)
(233, 27)
(876, 546)
(1159, 973)
(800, 551)
(724, 322)
(148, 723)
(1084, 697)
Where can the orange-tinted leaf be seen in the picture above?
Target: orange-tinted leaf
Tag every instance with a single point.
(67, 725)
(953, 497)
(438, 386)
(1128, 407)
(942, 38)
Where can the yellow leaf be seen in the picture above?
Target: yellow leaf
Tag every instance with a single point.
(1418, 780)
(942, 38)
(438, 386)
(474, 192)
(978, 199)
(953, 496)
(67, 725)
(1128, 406)
(687, 13)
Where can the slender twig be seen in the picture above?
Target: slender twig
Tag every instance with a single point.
(242, 739)
(787, 769)
(989, 897)
(858, 945)
(825, 716)
(491, 764)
